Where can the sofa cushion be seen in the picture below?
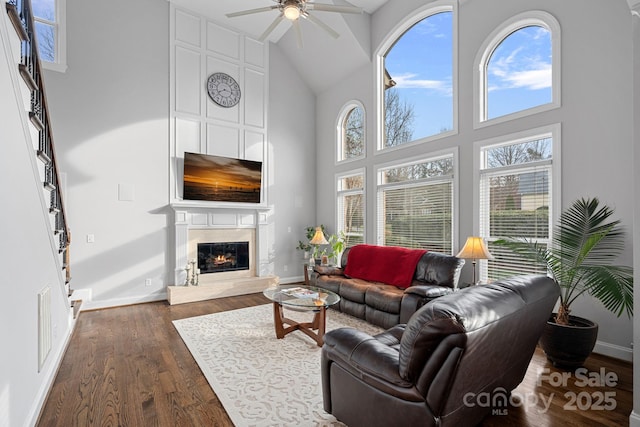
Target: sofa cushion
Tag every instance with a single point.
(384, 297)
(353, 308)
(381, 318)
(354, 290)
(331, 283)
(392, 265)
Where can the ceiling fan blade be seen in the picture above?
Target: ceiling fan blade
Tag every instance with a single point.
(250, 11)
(321, 24)
(271, 27)
(333, 8)
(298, 31)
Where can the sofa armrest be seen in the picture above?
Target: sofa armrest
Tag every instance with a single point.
(329, 270)
(416, 296)
(357, 351)
(428, 291)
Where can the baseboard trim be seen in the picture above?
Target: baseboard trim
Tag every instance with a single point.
(634, 419)
(613, 350)
(117, 302)
(292, 279)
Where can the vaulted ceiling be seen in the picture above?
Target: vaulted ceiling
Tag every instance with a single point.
(316, 60)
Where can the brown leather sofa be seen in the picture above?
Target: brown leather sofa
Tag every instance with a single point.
(439, 368)
(436, 274)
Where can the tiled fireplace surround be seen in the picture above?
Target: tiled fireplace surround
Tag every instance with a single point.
(195, 224)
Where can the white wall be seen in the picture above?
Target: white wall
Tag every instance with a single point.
(292, 161)
(111, 121)
(596, 117)
(28, 256)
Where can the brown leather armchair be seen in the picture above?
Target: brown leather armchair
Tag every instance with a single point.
(429, 371)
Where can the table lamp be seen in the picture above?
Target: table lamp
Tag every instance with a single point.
(475, 249)
(318, 239)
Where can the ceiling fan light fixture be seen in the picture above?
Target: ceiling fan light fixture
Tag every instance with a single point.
(291, 11)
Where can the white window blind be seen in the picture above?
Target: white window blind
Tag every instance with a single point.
(515, 201)
(415, 205)
(350, 196)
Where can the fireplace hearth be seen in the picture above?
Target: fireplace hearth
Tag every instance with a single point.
(223, 256)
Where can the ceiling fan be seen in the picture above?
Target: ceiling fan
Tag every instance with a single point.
(293, 10)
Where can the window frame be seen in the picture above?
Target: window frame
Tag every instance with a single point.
(388, 41)
(340, 140)
(431, 156)
(341, 193)
(553, 131)
(488, 47)
(60, 34)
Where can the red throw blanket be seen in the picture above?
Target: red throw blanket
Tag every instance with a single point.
(387, 264)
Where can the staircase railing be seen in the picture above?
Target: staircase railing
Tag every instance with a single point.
(30, 68)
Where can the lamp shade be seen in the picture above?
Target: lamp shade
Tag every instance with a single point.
(475, 248)
(318, 238)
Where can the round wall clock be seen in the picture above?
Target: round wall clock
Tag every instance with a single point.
(223, 89)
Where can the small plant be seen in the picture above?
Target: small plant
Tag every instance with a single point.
(336, 243)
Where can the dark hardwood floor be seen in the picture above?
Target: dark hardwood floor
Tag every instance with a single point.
(128, 366)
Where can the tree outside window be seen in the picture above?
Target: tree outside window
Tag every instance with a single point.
(352, 138)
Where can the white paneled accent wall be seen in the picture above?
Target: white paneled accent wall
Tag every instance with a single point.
(200, 47)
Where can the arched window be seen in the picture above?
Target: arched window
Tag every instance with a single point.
(519, 68)
(416, 79)
(351, 132)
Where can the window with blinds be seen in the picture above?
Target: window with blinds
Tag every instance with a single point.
(515, 201)
(350, 196)
(415, 205)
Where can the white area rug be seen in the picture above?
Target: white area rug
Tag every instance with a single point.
(261, 380)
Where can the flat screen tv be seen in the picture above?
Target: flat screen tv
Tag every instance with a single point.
(221, 179)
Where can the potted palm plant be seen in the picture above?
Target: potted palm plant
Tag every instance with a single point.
(584, 243)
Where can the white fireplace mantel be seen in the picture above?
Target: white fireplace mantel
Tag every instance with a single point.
(221, 206)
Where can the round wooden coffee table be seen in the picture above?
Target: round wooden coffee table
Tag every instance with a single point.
(301, 298)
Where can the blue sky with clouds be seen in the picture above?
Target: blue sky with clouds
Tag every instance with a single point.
(519, 72)
(518, 75)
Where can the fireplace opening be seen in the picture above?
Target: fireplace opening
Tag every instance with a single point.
(225, 256)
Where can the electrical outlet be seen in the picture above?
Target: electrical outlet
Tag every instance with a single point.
(91, 238)
(147, 282)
